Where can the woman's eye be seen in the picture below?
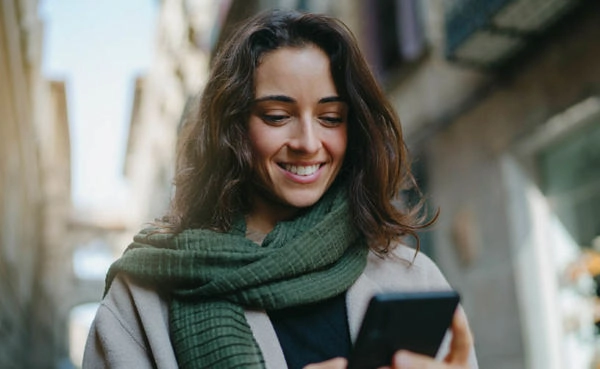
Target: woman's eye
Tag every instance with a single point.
(274, 118)
(332, 120)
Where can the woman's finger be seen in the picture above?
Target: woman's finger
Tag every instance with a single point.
(337, 363)
(462, 340)
(409, 360)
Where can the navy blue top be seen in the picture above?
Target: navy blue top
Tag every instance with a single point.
(313, 333)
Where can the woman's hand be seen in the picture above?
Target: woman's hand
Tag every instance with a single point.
(457, 358)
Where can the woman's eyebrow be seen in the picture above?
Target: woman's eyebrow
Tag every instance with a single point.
(287, 99)
(280, 98)
(329, 99)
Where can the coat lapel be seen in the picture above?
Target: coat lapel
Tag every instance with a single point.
(265, 336)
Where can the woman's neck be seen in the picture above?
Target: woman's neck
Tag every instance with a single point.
(266, 214)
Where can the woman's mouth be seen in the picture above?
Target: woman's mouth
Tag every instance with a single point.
(301, 170)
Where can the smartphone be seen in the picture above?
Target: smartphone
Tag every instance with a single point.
(414, 321)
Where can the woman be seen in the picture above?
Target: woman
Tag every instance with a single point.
(282, 226)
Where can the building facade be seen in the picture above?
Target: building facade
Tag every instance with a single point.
(34, 194)
(183, 41)
(515, 215)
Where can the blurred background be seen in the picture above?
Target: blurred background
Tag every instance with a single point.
(500, 105)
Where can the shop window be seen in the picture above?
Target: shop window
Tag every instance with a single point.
(569, 171)
(553, 222)
(570, 176)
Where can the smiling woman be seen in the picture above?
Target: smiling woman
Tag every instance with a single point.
(270, 253)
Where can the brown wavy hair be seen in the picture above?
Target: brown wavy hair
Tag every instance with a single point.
(215, 166)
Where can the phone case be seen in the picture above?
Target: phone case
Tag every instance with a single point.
(414, 321)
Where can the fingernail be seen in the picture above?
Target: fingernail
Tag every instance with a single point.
(402, 360)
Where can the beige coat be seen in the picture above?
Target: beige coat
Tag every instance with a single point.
(131, 328)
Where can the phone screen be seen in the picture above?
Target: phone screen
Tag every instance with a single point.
(414, 321)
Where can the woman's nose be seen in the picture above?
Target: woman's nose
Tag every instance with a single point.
(305, 137)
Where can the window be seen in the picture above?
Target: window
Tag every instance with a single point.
(395, 34)
(570, 176)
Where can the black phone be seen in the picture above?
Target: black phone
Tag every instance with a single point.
(414, 321)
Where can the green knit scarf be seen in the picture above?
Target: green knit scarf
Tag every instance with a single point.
(212, 277)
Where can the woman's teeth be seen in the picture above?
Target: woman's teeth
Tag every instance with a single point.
(301, 170)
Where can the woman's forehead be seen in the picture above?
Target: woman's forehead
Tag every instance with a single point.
(294, 72)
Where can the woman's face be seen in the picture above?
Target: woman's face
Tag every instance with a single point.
(297, 129)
